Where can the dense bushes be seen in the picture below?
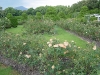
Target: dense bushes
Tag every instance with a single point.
(89, 30)
(14, 22)
(52, 57)
(38, 16)
(5, 23)
(20, 20)
(95, 23)
(39, 26)
(22, 49)
(68, 59)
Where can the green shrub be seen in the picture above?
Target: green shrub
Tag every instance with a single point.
(38, 16)
(87, 61)
(95, 23)
(9, 15)
(83, 20)
(57, 58)
(14, 22)
(24, 50)
(68, 59)
(61, 15)
(5, 23)
(52, 57)
(93, 18)
(39, 26)
(21, 19)
(89, 30)
(24, 16)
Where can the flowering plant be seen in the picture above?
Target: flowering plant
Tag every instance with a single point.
(57, 58)
(39, 27)
(52, 57)
(66, 58)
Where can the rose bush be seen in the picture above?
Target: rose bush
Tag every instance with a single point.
(39, 27)
(67, 58)
(24, 49)
(89, 30)
(53, 57)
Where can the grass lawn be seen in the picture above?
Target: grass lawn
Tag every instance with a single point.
(18, 30)
(61, 34)
(4, 70)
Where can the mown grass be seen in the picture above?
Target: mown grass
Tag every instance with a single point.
(63, 35)
(60, 34)
(17, 30)
(5, 70)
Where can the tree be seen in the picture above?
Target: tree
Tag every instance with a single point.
(83, 11)
(14, 22)
(99, 5)
(24, 16)
(30, 11)
(18, 12)
(9, 15)
(1, 12)
(41, 9)
(10, 10)
(92, 4)
(61, 14)
(51, 13)
(96, 10)
(38, 15)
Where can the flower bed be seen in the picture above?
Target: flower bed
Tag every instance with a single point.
(49, 58)
(90, 30)
(39, 27)
(21, 68)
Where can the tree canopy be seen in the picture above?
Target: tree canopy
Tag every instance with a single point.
(77, 9)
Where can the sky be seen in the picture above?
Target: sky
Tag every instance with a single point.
(35, 3)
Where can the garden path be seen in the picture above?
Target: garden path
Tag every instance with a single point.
(87, 39)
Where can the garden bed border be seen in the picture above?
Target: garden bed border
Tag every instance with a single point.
(21, 68)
